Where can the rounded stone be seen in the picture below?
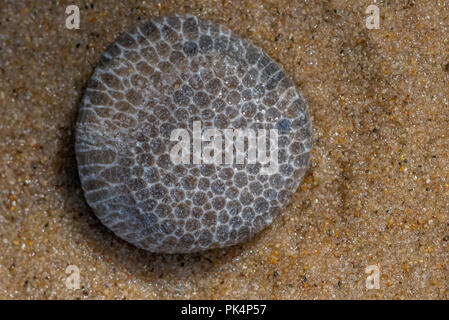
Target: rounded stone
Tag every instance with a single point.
(168, 74)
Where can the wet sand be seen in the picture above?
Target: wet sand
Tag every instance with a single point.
(377, 192)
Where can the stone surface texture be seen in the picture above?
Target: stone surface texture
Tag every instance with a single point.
(164, 75)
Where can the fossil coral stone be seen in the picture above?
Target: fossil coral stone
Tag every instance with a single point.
(164, 75)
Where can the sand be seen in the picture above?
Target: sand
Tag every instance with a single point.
(376, 194)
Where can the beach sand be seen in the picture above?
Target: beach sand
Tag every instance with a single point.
(376, 193)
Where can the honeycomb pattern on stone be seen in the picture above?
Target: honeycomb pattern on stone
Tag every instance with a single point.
(165, 74)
